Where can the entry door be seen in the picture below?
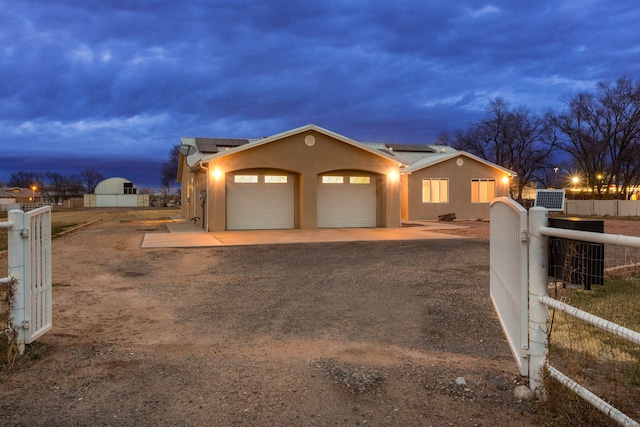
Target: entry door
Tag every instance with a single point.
(260, 202)
(346, 201)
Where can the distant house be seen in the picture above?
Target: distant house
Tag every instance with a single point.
(19, 195)
(115, 192)
(310, 178)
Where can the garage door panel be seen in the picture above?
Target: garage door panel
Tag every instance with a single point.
(277, 206)
(258, 205)
(346, 204)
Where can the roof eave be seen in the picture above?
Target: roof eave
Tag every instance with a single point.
(446, 157)
(296, 131)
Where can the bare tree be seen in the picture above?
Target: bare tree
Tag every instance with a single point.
(514, 138)
(61, 187)
(145, 190)
(90, 179)
(601, 133)
(169, 171)
(25, 179)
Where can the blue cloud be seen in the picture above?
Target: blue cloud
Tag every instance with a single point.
(121, 80)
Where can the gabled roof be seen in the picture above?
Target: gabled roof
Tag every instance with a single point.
(414, 156)
(311, 127)
(447, 155)
(411, 153)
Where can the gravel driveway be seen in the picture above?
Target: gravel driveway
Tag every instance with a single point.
(324, 334)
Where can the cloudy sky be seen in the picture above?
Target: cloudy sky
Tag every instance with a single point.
(113, 84)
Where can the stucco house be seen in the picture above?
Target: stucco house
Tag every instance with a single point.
(310, 177)
(116, 192)
(448, 181)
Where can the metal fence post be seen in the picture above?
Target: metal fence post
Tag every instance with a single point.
(17, 270)
(538, 312)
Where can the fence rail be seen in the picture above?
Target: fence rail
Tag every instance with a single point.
(536, 312)
(538, 229)
(604, 407)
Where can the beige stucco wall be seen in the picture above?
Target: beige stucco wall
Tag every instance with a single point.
(290, 154)
(193, 187)
(459, 190)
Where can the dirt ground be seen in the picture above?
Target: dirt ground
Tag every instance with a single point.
(324, 334)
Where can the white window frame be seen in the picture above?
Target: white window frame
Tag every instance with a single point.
(441, 192)
(485, 191)
(330, 179)
(275, 179)
(245, 179)
(359, 180)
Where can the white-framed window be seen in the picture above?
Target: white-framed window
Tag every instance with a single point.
(359, 180)
(332, 179)
(129, 188)
(275, 179)
(246, 179)
(435, 190)
(483, 190)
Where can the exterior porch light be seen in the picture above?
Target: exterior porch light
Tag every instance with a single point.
(393, 175)
(217, 173)
(505, 179)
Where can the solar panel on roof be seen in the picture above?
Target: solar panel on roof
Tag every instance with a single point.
(206, 145)
(416, 148)
(552, 200)
(230, 142)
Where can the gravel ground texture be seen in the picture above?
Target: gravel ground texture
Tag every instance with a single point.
(367, 333)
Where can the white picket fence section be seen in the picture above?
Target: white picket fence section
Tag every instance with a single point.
(508, 282)
(29, 259)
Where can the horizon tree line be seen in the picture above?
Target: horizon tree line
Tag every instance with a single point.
(595, 139)
(58, 187)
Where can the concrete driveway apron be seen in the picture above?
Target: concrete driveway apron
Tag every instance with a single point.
(183, 234)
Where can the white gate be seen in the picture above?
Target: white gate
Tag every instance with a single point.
(29, 260)
(508, 261)
(519, 278)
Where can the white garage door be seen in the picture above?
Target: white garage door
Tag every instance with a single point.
(260, 202)
(346, 201)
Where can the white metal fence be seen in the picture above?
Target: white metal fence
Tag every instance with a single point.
(508, 282)
(29, 260)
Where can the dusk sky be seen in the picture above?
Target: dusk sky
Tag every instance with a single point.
(113, 85)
